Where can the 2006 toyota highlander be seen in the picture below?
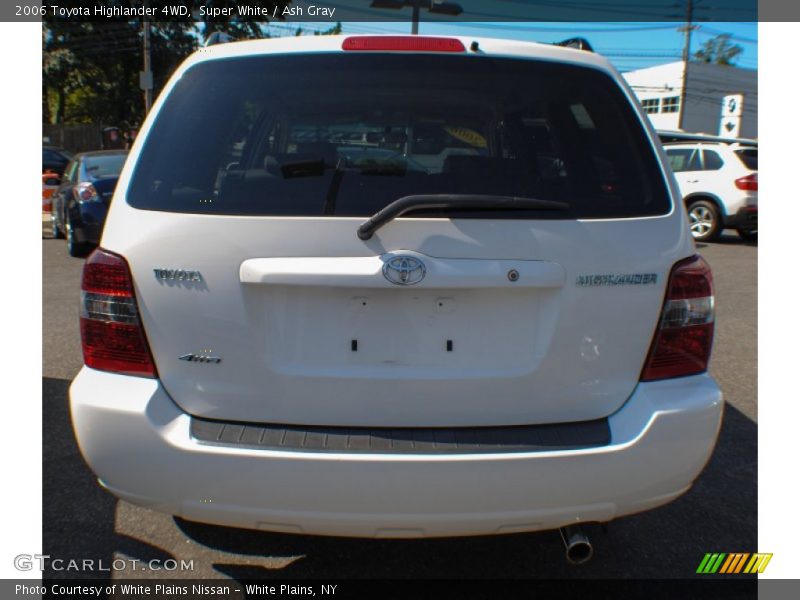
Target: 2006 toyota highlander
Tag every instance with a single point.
(396, 286)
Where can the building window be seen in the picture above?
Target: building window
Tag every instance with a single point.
(650, 105)
(671, 104)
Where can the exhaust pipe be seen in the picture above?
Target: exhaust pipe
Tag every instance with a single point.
(577, 545)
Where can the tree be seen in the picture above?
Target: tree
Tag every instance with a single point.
(719, 50)
(57, 81)
(335, 30)
(90, 69)
(241, 28)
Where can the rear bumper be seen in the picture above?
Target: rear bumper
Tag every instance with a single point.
(139, 444)
(746, 219)
(88, 222)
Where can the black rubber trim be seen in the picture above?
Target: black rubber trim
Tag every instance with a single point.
(407, 440)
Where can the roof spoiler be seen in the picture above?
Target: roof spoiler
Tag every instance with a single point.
(578, 43)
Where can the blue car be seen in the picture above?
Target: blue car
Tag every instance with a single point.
(81, 201)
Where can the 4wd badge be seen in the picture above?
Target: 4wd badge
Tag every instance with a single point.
(202, 357)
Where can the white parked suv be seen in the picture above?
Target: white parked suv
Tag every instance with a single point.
(719, 185)
(397, 287)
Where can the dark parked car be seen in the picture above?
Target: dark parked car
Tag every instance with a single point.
(55, 159)
(81, 201)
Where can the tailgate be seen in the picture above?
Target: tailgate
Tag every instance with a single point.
(238, 214)
(330, 340)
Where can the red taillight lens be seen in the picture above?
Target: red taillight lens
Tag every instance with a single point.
(106, 273)
(748, 183)
(682, 343)
(111, 332)
(402, 43)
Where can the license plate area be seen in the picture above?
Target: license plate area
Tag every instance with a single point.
(372, 331)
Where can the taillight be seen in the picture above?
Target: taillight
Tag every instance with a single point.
(85, 192)
(748, 183)
(682, 343)
(400, 43)
(111, 331)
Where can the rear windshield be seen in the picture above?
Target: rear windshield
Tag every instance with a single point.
(346, 134)
(749, 157)
(106, 165)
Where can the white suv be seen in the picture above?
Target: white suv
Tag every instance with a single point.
(719, 185)
(268, 345)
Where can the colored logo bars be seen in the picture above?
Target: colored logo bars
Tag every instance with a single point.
(741, 562)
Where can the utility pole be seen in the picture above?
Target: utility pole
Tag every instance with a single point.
(146, 76)
(441, 7)
(687, 47)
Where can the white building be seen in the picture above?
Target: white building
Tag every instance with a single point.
(708, 87)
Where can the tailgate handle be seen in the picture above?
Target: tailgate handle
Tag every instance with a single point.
(367, 272)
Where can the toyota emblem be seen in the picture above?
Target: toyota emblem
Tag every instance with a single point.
(404, 270)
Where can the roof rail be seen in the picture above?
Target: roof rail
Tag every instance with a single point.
(218, 37)
(677, 137)
(578, 43)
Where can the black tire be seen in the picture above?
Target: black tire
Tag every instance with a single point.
(747, 236)
(57, 233)
(704, 220)
(74, 248)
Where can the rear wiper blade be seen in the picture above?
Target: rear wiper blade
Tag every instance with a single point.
(460, 201)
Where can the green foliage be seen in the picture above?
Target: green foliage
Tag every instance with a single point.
(719, 50)
(238, 28)
(335, 30)
(90, 69)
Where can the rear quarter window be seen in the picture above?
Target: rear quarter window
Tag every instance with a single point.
(749, 157)
(346, 134)
(712, 161)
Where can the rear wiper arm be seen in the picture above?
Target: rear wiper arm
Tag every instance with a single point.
(461, 201)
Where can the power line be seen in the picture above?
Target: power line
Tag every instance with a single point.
(736, 38)
(601, 8)
(600, 4)
(642, 54)
(575, 28)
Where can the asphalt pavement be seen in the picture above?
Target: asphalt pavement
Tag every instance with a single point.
(82, 521)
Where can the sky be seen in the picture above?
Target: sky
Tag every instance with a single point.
(628, 45)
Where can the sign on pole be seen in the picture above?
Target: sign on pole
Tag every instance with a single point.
(731, 120)
(145, 80)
